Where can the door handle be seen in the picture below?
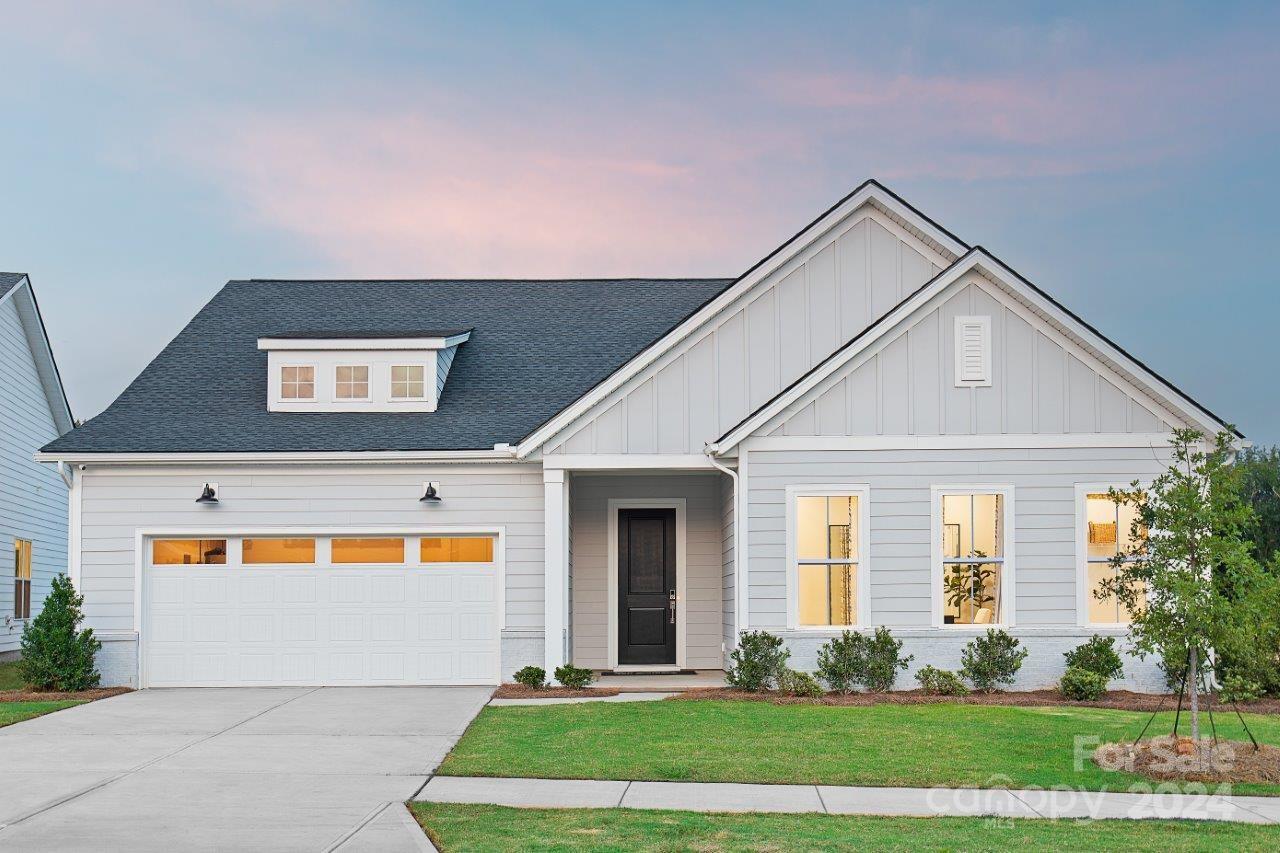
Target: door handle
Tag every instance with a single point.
(671, 600)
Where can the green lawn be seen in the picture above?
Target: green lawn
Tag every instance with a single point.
(882, 745)
(471, 827)
(16, 712)
(9, 676)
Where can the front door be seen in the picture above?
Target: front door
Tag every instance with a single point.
(646, 586)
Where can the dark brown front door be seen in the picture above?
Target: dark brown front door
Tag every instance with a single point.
(646, 586)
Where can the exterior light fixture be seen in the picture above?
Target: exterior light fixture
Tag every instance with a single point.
(209, 495)
(430, 493)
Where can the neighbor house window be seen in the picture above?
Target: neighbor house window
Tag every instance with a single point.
(298, 383)
(368, 550)
(351, 382)
(456, 549)
(1109, 530)
(827, 542)
(258, 551)
(195, 552)
(22, 579)
(972, 575)
(407, 382)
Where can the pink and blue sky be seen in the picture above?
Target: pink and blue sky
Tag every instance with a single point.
(1124, 157)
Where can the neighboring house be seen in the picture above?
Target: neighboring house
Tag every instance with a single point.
(395, 482)
(33, 497)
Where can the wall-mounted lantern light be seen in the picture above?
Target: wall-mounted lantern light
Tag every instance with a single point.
(209, 495)
(430, 493)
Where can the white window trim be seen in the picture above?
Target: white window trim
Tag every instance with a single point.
(682, 598)
(863, 493)
(1083, 490)
(1008, 574)
(315, 382)
(391, 384)
(368, 385)
(985, 323)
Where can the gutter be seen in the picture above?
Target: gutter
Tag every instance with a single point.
(499, 453)
(739, 539)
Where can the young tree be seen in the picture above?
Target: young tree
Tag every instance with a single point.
(56, 653)
(1191, 530)
(1260, 480)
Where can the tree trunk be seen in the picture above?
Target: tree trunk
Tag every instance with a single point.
(1195, 703)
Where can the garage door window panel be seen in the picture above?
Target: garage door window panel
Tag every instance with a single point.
(189, 552)
(279, 551)
(368, 551)
(456, 549)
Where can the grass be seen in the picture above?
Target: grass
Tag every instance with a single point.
(476, 827)
(9, 679)
(16, 712)
(882, 745)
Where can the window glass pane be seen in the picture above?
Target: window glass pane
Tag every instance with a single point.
(407, 381)
(195, 552)
(352, 382)
(971, 593)
(811, 523)
(827, 527)
(988, 525)
(1127, 514)
(297, 383)
(1102, 531)
(1107, 610)
(258, 551)
(972, 526)
(827, 594)
(842, 527)
(957, 526)
(22, 559)
(456, 549)
(368, 550)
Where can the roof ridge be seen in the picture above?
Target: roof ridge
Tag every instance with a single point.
(468, 280)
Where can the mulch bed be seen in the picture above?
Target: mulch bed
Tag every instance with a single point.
(519, 691)
(87, 695)
(1159, 759)
(1119, 700)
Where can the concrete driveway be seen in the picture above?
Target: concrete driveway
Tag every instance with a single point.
(309, 769)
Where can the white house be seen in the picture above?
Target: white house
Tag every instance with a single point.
(407, 482)
(33, 498)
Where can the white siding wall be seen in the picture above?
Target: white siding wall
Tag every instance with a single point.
(729, 582)
(33, 499)
(117, 503)
(589, 501)
(763, 342)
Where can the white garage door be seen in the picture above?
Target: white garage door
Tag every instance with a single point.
(330, 610)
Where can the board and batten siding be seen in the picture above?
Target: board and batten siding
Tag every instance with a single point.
(762, 342)
(33, 498)
(116, 503)
(704, 561)
(905, 384)
(899, 541)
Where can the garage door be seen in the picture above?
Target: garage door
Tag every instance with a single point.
(322, 610)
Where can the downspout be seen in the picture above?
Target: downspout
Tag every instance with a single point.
(739, 539)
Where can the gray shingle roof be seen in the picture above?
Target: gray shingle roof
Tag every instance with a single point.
(536, 346)
(9, 280)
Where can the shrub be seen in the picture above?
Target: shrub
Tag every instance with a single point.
(991, 660)
(56, 655)
(854, 659)
(940, 682)
(1082, 685)
(757, 662)
(798, 683)
(574, 677)
(531, 676)
(1098, 656)
(1238, 688)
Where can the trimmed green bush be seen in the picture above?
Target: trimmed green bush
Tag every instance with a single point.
(798, 683)
(1099, 656)
(56, 654)
(991, 660)
(1237, 688)
(757, 662)
(940, 682)
(531, 676)
(1082, 685)
(574, 677)
(853, 659)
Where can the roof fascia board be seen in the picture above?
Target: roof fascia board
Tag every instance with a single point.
(312, 344)
(38, 338)
(869, 191)
(320, 458)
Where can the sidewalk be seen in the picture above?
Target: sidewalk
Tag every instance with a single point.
(849, 800)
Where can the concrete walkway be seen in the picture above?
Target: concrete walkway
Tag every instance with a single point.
(848, 800)
(305, 769)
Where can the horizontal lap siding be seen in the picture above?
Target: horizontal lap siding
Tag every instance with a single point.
(899, 539)
(116, 504)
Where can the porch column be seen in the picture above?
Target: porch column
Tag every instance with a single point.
(555, 514)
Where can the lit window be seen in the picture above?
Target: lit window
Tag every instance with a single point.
(258, 551)
(21, 579)
(368, 550)
(407, 382)
(972, 570)
(193, 552)
(1109, 531)
(827, 545)
(456, 549)
(352, 382)
(297, 383)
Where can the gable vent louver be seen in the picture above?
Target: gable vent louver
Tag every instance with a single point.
(973, 351)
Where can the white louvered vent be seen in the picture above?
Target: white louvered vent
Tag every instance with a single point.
(973, 351)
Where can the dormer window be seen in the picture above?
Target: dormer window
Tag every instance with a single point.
(408, 382)
(331, 372)
(351, 382)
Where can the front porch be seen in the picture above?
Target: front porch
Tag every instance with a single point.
(640, 574)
